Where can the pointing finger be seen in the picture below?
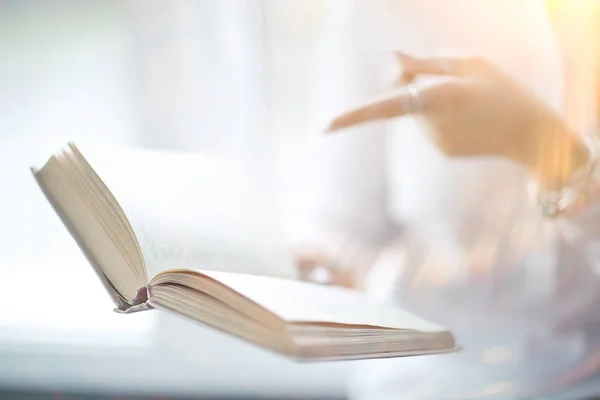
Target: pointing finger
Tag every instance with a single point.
(396, 104)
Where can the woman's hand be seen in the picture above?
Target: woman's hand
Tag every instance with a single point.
(316, 265)
(477, 110)
(340, 261)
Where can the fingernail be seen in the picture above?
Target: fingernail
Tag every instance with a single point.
(331, 128)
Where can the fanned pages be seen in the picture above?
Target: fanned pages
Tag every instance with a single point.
(185, 235)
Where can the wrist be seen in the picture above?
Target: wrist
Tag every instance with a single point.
(553, 155)
(567, 191)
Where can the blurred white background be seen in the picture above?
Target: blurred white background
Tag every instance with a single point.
(219, 77)
(224, 78)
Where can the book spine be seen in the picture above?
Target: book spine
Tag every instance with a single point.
(139, 303)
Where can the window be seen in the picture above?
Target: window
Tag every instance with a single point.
(150, 73)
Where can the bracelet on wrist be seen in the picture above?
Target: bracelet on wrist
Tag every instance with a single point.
(557, 202)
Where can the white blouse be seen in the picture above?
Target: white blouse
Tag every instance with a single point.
(459, 241)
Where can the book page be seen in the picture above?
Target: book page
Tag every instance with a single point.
(296, 301)
(190, 211)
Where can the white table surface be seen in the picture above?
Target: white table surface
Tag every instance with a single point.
(51, 341)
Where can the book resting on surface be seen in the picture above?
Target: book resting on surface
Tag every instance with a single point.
(181, 234)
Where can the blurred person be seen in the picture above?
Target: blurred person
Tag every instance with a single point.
(478, 209)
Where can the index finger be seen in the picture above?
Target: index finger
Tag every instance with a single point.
(395, 104)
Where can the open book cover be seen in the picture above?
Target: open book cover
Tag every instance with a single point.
(177, 233)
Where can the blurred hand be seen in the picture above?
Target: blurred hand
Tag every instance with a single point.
(344, 265)
(477, 110)
(316, 265)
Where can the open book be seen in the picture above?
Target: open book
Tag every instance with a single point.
(181, 234)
